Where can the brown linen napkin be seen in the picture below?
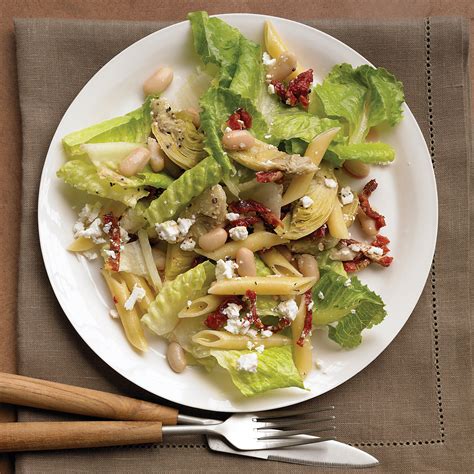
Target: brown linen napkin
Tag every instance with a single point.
(412, 407)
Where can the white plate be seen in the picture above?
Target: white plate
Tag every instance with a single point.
(406, 195)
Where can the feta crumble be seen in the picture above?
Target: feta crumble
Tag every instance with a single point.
(184, 225)
(288, 308)
(250, 345)
(113, 314)
(347, 197)
(260, 348)
(306, 202)
(252, 333)
(330, 183)
(137, 294)
(321, 295)
(353, 311)
(90, 254)
(238, 233)
(320, 246)
(355, 247)
(228, 130)
(168, 231)
(271, 89)
(266, 333)
(232, 310)
(267, 60)
(310, 306)
(347, 282)
(232, 216)
(225, 269)
(189, 303)
(375, 251)
(188, 244)
(248, 362)
(267, 136)
(89, 225)
(110, 253)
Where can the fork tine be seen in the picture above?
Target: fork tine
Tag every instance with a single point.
(299, 442)
(284, 434)
(288, 413)
(287, 422)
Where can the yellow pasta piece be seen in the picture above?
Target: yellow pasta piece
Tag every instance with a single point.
(130, 319)
(275, 45)
(316, 149)
(81, 245)
(302, 355)
(279, 264)
(263, 285)
(201, 306)
(131, 280)
(349, 212)
(226, 340)
(254, 242)
(336, 224)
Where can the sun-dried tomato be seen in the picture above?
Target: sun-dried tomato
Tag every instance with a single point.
(369, 188)
(198, 259)
(115, 241)
(308, 319)
(381, 242)
(244, 221)
(240, 120)
(359, 263)
(320, 232)
(269, 176)
(218, 319)
(251, 299)
(297, 90)
(245, 207)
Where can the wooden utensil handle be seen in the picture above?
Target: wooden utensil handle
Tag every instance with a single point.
(44, 435)
(20, 390)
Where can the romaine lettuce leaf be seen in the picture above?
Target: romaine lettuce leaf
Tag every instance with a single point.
(354, 307)
(133, 127)
(266, 305)
(275, 369)
(369, 152)
(180, 192)
(162, 316)
(83, 175)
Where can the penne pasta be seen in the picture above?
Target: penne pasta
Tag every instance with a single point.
(263, 285)
(254, 242)
(278, 263)
(81, 245)
(149, 260)
(131, 280)
(226, 340)
(336, 223)
(201, 306)
(302, 355)
(349, 212)
(130, 319)
(316, 149)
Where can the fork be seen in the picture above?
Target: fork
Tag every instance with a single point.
(244, 431)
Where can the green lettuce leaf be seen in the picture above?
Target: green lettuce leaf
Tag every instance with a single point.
(180, 192)
(133, 127)
(266, 305)
(275, 369)
(354, 307)
(369, 152)
(325, 264)
(83, 175)
(162, 316)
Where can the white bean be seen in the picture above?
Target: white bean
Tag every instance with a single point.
(367, 224)
(158, 81)
(157, 159)
(135, 161)
(357, 168)
(176, 357)
(213, 239)
(283, 67)
(308, 265)
(159, 257)
(238, 140)
(246, 262)
(195, 115)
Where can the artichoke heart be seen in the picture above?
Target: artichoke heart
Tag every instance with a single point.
(265, 157)
(349, 212)
(177, 135)
(301, 221)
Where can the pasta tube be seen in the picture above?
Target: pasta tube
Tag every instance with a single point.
(201, 306)
(279, 264)
(226, 340)
(81, 245)
(263, 285)
(336, 223)
(302, 355)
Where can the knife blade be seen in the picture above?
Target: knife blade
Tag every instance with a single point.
(327, 454)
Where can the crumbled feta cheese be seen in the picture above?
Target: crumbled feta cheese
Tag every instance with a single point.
(267, 136)
(346, 195)
(93, 232)
(188, 244)
(113, 314)
(320, 246)
(330, 183)
(225, 269)
(355, 247)
(237, 326)
(260, 348)
(321, 295)
(310, 306)
(252, 333)
(271, 89)
(227, 130)
(89, 213)
(353, 311)
(267, 60)
(90, 254)
(306, 202)
(184, 225)
(137, 294)
(266, 333)
(238, 233)
(232, 310)
(232, 216)
(375, 251)
(268, 76)
(188, 303)
(248, 362)
(110, 253)
(250, 345)
(168, 231)
(288, 308)
(106, 228)
(347, 282)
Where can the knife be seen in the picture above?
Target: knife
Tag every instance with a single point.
(327, 454)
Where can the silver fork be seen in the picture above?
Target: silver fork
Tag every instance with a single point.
(263, 430)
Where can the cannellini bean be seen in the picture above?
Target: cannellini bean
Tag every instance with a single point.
(158, 81)
(308, 265)
(238, 140)
(135, 161)
(195, 115)
(246, 262)
(159, 257)
(285, 252)
(176, 357)
(283, 67)
(357, 168)
(157, 159)
(367, 224)
(213, 239)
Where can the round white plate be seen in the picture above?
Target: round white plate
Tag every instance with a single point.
(406, 196)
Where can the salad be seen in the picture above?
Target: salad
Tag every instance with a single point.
(226, 228)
